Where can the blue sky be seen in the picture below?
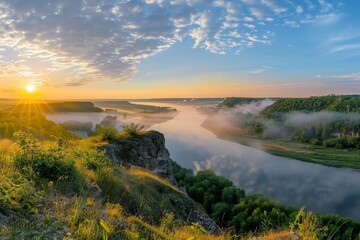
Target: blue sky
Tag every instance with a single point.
(186, 47)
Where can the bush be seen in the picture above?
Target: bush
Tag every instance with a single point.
(39, 162)
(17, 193)
(132, 129)
(307, 225)
(107, 133)
(92, 159)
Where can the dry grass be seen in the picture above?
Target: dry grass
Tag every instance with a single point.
(145, 175)
(284, 235)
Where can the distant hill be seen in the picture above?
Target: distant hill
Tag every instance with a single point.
(131, 107)
(233, 101)
(70, 107)
(333, 103)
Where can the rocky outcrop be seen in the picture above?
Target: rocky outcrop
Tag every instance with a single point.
(146, 150)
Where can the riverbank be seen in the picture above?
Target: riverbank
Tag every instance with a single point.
(288, 149)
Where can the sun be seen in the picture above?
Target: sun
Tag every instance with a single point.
(30, 88)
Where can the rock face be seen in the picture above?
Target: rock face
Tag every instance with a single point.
(146, 150)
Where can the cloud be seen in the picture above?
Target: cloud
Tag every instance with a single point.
(259, 70)
(71, 43)
(343, 44)
(349, 76)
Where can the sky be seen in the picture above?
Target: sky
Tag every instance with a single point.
(179, 48)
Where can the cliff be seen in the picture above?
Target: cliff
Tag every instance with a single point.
(148, 151)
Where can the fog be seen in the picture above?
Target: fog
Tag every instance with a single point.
(229, 119)
(316, 120)
(253, 107)
(113, 119)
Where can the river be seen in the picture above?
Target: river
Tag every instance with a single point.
(294, 183)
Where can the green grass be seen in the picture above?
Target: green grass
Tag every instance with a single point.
(132, 204)
(299, 151)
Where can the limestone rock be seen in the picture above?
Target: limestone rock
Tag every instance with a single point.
(146, 150)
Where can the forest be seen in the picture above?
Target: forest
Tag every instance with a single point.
(332, 121)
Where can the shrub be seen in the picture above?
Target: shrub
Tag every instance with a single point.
(39, 162)
(107, 133)
(132, 129)
(307, 226)
(17, 193)
(92, 159)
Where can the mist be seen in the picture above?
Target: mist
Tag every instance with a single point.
(316, 120)
(254, 107)
(113, 119)
(239, 120)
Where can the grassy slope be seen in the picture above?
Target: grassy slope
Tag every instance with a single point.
(133, 204)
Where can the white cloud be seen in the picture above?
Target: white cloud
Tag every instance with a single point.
(345, 47)
(349, 76)
(248, 19)
(75, 42)
(299, 9)
(273, 7)
(259, 70)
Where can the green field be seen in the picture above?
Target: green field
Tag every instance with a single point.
(284, 148)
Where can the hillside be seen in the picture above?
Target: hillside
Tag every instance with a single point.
(73, 190)
(125, 186)
(60, 107)
(331, 103)
(231, 102)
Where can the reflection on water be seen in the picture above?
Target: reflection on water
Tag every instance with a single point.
(319, 188)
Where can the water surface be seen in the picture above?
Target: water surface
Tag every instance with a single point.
(321, 189)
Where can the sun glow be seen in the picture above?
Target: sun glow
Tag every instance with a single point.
(30, 88)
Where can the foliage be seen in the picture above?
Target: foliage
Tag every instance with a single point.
(132, 129)
(340, 228)
(231, 102)
(40, 162)
(107, 133)
(228, 205)
(336, 116)
(256, 213)
(343, 142)
(77, 126)
(31, 121)
(70, 107)
(17, 193)
(332, 103)
(92, 159)
(307, 225)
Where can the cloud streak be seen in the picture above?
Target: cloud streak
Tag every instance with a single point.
(71, 43)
